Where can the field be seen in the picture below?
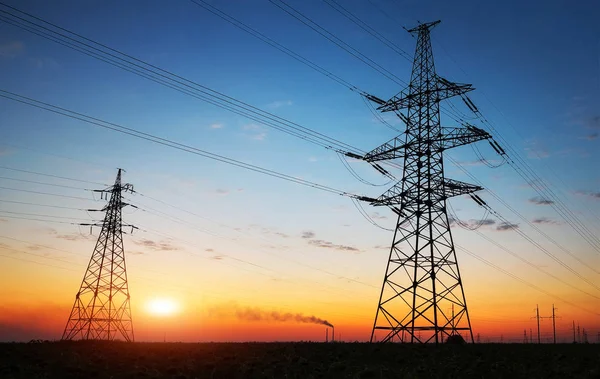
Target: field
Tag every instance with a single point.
(295, 360)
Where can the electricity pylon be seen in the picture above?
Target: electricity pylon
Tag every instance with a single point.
(422, 279)
(102, 309)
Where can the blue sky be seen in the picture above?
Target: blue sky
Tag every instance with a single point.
(539, 65)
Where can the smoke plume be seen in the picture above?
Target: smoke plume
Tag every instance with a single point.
(256, 314)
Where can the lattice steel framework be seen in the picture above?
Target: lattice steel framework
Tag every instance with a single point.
(102, 306)
(422, 281)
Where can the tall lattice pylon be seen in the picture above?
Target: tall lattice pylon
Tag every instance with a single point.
(422, 280)
(102, 304)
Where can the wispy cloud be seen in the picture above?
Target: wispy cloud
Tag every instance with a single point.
(378, 216)
(44, 62)
(216, 126)
(536, 150)
(538, 200)
(279, 104)
(505, 226)
(331, 245)
(545, 220)
(313, 159)
(157, 245)
(11, 49)
(592, 194)
(591, 137)
(479, 162)
(73, 237)
(472, 223)
(217, 257)
(255, 132)
(308, 234)
(5, 151)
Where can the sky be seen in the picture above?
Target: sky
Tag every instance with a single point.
(215, 238)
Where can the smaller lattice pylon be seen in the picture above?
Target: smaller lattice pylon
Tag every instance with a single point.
(102, 305)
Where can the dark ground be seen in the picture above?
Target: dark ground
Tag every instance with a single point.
(295, 360)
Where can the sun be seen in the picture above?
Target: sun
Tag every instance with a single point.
(162, 307)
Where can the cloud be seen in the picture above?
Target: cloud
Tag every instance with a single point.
(280, 103)
(538, 200)
(506, 226)
(217, 257)
(209, 250)
(593, 122)
(216, 126)
(536, 150)
(3, 220)
(135, 252)
(472, 223)
(11, 49)
(591, 137)
(593, 195)
(330, 245)
(377, 216)
(222, 191)
(308, 234)
(157, 246)
(256, 132)
(479, 162)
(484, 222)
(45, 62)
(73, 237)
(282, 235)
(312, 159)
(545, 220)
(5, 151)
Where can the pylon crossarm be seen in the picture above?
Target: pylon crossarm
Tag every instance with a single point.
(453, 188)
(454, 137)
(443, 90)
(393, 149)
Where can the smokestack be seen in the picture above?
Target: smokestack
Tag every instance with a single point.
(332, 333)
(327, 335)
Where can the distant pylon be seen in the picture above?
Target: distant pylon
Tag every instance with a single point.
(102, 310)
(422, 278)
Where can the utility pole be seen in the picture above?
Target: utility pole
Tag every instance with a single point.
(578, 333)
(102, 310)
(422, 275)
(478, 338)
(524, 335)
(530, 335)
(574, 340)
(554, 323)
(537, 316)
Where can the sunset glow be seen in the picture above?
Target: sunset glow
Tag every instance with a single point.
(249, 183)
(162, 307)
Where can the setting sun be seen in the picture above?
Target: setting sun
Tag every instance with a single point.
(162, 307)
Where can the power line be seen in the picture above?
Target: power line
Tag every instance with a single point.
(44, 193)
(335, 40)
(42, 215)
(523, 281)
(43, 183)
(364, 26)
(239, 24)
(166, 142)
(42, 205)
(52, 176)
(165, 77)
(545, 235)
